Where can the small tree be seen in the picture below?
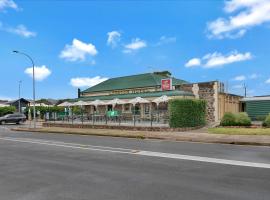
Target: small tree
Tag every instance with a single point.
(7, 110)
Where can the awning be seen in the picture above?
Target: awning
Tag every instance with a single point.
(81, 103)
(162, 99)
(97, 103)
(115, 101)
(65, 104)
(138, 100)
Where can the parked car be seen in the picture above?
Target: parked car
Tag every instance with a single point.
(13, 118)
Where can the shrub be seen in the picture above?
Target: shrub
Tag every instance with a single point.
(187, 113)
(228, 119)
(242, 119)
(266, 122)
(7, 110)
(260, 118)
(235, 119)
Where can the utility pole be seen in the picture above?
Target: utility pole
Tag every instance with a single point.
(20, 82)
(245, 89)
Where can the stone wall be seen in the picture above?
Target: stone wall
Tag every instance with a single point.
(119, 127)
(209, 92)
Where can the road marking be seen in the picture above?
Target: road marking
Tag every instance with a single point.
(139, 152)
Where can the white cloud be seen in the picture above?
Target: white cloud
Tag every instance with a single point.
(165, 40)
(267, 81)
(253, 76)
(113, 38)
(217, 59)
(21, 30)
(244, 15)
(86, 81)
(135, 44)
(41, 72)
(240, 78)
(6, 98)
(193, 62)
(4, 4)
(78, 51)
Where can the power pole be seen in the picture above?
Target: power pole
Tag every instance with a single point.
(20, 82)
(245, 89)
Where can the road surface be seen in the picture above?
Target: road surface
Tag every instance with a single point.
(38, 166)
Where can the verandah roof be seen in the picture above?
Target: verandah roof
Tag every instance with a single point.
(134, 95)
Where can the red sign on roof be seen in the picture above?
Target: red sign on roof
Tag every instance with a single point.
(166, 84)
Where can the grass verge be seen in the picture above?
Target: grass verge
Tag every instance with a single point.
(240, 131)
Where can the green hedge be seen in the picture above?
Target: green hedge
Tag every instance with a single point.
(266, 122)
(7, 110)
(235, 119)
(45, 109)
(187, 113)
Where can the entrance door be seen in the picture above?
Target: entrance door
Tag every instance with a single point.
(110, 108)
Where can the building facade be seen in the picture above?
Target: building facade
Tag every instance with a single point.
(150, 87)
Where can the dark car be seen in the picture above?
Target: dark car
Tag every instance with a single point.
(13, 118)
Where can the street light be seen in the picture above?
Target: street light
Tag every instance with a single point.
(34, 92)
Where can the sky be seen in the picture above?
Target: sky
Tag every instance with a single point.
(77, 44)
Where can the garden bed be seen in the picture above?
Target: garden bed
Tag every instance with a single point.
(240, 131)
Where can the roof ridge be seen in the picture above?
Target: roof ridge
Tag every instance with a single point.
(130, 75)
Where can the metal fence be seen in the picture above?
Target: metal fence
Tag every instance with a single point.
(153, 119)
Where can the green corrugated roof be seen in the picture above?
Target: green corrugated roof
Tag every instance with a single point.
(135, 81)
(131, 96)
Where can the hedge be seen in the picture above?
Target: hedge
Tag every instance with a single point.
(7, 110)
(266, 122)
(187, 113)
(235, 119)
(43, 110)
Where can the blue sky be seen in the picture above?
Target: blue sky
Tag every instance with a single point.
(80, 43)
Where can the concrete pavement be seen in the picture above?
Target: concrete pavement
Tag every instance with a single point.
(47, 166)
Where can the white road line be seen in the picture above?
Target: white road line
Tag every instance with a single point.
(139, 152)
(64, 143)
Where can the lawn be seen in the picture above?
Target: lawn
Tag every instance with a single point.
(240, 131)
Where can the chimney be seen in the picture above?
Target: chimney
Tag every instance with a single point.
(79, 93)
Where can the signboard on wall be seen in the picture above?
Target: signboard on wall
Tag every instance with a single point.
(166, 84)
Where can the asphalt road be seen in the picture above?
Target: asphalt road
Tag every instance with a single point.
(64, 167)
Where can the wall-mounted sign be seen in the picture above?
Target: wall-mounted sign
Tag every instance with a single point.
(166, 84)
